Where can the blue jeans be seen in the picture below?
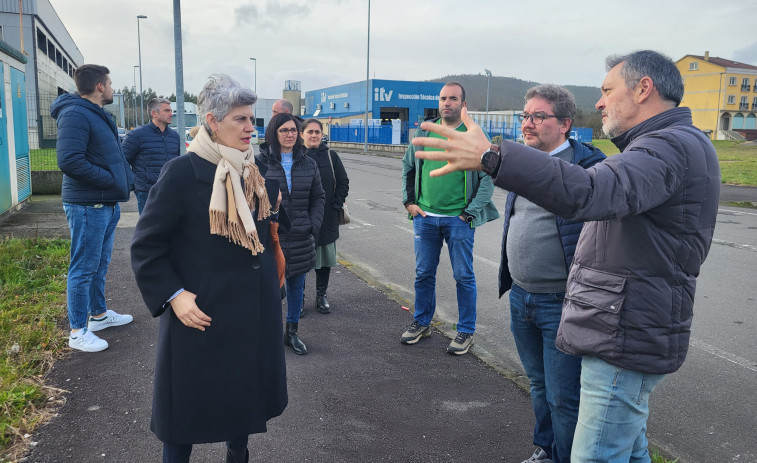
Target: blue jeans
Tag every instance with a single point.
(554, 375)
(430, 233)
(180, 453)
(92, 231)
(141, 199)
(295, 291)
(612, 417)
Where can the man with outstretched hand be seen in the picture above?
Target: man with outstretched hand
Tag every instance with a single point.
(650, 216)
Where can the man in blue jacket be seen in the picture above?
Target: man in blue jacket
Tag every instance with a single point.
(650, 215)
(150, 146)
(96, 178)
(537, 251)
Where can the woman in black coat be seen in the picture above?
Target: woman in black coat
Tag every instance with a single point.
(302, 200)
(208, 272)
(336, 185)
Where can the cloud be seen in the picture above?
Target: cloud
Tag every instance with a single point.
(246, 14)
(747, 54)
(275, 15)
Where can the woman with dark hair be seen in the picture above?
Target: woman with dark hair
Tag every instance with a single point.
(336, 185)
(202, 258)
(302, 200)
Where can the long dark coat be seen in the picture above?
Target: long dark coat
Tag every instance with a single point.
(229, 380)
(336, 185)
(303, 205)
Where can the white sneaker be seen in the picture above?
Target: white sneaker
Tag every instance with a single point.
(111, 318)
(86, 341)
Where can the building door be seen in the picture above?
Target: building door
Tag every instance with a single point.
(725, 122)
(20, 134)
(6, 195)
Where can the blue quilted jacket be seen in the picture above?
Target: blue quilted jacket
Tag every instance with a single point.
(146, 149)
(89, 154)
(569, 230)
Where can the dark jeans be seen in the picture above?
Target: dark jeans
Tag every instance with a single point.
(141, 199)
(554, 375)
(180, 453)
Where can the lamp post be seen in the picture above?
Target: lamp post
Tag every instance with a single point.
(367, 79)
(488, 76)
(135, 96)
(255, 88)
(141, 92)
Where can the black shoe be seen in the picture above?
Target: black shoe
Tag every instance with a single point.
(232, 457)
(321, 285)
(322, 304)
(291, 339)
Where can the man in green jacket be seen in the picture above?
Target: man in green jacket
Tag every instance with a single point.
(445, 209)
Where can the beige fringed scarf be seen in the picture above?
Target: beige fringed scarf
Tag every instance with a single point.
(230, 207)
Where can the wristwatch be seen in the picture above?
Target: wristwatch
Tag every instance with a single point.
(490, 159)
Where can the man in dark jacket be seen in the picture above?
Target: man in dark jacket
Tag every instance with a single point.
(650, 215)
(150, 146)
(96, 178)
(537, 251)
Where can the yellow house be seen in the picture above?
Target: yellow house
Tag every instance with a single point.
(722, 95)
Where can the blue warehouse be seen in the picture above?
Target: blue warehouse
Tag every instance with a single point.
(393, 105)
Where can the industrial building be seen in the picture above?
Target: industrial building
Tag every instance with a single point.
(36, 30)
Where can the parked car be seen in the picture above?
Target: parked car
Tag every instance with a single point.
(121, 134)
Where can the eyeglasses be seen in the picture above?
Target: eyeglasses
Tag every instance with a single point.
(286, 131)
(536, 118)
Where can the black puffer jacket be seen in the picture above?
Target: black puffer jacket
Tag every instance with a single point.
(335, 195)
(650, 213)
(146, 149)
(304, 207)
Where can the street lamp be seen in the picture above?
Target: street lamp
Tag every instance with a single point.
(135, 96)
(255, 88)
(367, 78)
(488, 76)
(141, 92)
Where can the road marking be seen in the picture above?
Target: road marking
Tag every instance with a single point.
(737, 212)
(731, 244)
(740, 361)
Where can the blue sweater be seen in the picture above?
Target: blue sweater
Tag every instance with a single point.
(89, 154)
(146, 149)
(568, 230)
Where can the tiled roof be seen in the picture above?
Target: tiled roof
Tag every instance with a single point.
(726, 63)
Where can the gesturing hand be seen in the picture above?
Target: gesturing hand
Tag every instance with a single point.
(462, 150)
(186, 310)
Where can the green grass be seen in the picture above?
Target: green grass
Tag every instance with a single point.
(32, 301)
(43, 159)
(657, 458)
(738, 161)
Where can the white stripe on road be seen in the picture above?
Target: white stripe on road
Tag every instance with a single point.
(737, 212)
(740, 361)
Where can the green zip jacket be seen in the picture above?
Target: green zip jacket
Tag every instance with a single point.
(478, 187)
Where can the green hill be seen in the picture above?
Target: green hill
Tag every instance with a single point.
(507, 92)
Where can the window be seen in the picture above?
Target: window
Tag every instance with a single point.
(745, 82)
(41, 41)
(50, 50)
(743, 104)
(65, 65)
(58, 59)
(693, 66)
(732, 81)
(731, 99)
(754, 103)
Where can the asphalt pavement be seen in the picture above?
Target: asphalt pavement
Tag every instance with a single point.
(358, 396)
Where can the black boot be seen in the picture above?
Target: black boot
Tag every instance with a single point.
(321, 285)
(232, 457)
(291, 339)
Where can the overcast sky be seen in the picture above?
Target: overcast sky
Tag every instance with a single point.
(323, 43)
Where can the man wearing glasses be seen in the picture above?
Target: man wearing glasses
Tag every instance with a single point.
(445, 210)
(537, 251)
(650, 215)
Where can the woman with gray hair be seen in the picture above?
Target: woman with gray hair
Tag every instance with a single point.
(202, 257)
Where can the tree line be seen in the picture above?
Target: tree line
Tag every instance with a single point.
(132, 102)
